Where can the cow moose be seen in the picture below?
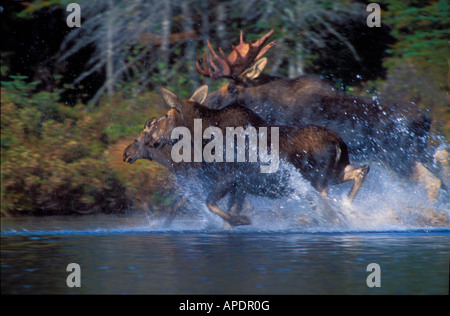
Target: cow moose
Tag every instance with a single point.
(144, 147)
(394, 134)
(140, 149)
(318, 153)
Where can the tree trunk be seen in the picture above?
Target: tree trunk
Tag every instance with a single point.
(109, 49)
(165, 37)
(205, 23)
(190, 57)
(221, 16)
(296, 62)
(278, 55)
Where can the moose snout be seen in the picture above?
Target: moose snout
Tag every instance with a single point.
(128, 156)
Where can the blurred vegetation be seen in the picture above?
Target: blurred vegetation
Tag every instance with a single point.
(62, 159)
(418, 62)
(70, 105)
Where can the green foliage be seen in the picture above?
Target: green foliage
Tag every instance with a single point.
(125, 114)
(37, 5)
(417, 67)
(422, 30)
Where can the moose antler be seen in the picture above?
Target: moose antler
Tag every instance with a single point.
(237, 61)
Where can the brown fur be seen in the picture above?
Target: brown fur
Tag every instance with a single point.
(319, 154)
(373, 129)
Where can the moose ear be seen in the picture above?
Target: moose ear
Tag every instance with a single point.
(150, 122)
(200, 94)
(171, 99)
(257, 69)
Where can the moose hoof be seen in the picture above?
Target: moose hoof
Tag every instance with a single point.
(238, 220)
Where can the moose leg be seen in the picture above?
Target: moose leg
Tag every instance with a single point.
(442, 157)
(324, 193)
(174, 210)
(236, 201)
(324, 204)
(211, 202)
(247, 206)
(358, 175)
(428, 180)
(237, 206)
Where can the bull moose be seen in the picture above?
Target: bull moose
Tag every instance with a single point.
(318, 153)
(394, 134)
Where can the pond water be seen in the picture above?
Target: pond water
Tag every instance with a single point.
(137, 255)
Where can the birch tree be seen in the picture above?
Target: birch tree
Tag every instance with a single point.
(158, 41)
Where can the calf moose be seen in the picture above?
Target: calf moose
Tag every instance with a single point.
(319, 154)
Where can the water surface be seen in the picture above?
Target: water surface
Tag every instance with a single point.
(134, 255)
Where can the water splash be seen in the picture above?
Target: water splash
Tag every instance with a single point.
(385, 203)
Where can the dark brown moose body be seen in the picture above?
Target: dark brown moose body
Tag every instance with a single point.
(374, 129)
(319, 154)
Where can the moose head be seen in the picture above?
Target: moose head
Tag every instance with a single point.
(151, 141)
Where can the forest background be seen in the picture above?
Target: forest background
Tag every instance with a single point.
(73, 98)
